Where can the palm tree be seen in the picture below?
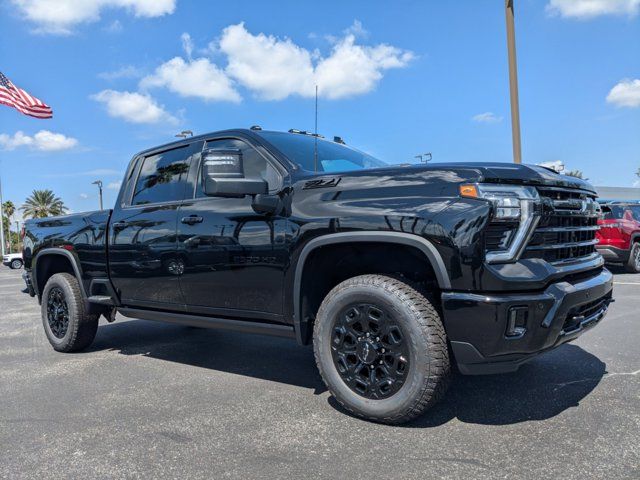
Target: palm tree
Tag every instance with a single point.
(8, 209)
(43, 203)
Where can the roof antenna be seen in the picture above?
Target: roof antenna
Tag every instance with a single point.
(315, 137)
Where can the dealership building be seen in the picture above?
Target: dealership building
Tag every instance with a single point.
(618, 193)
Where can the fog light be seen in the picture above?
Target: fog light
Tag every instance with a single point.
(517, 321)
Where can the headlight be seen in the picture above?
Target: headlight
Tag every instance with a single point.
(513, 204)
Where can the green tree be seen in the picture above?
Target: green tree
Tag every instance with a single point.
(43, 203)
(8, 209)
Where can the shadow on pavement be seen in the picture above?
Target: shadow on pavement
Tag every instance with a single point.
(268, 358)
(541, 389)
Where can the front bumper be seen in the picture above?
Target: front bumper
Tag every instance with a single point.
(477, 324)
(613, 254)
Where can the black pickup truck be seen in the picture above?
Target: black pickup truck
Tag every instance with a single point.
(394, 273)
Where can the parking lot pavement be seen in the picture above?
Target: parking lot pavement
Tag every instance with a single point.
(150, 400)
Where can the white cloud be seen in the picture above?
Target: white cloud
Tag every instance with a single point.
(133, 107)
(486, 117)
(44, 141)
(357, 29)
(271, 67)
(128, 71)
(84, 196)
(115, 185)
(60, 16)
(625, 94)
(275, 68)
(114, 27)
(586, 9)
(187, 44)
(193, 78)
(354, 69)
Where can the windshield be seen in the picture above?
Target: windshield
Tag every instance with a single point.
(332, 157)
(617, 212)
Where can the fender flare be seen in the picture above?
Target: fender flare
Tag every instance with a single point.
(421, 243)
(64, 253)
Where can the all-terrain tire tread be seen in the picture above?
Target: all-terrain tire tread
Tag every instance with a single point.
(428, 319)
(83, 331)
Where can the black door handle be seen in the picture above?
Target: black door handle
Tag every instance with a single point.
(191, 219)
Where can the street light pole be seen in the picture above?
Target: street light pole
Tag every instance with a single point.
(99, 183)
(513, 83)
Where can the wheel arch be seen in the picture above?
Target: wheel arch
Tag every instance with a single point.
(50, 261)
(431, 255)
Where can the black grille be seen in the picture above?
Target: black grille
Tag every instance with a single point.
(566, 230)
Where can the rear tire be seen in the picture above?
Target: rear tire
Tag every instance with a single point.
(16, 264)
(67, 325)
(381, 349)
(633, 264)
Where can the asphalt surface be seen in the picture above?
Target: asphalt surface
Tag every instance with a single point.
(150, 400)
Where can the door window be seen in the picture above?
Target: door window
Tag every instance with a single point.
(163, 177)
(254, 164)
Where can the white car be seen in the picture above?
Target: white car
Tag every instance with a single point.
(13, 260)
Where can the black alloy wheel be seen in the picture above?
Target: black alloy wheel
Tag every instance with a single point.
(57, 312)
(369, 351)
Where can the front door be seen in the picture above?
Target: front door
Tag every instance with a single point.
(235, 258)
(143, 251)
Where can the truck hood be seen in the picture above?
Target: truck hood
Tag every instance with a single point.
(492, 172)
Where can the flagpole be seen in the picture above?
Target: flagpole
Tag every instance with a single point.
(2, 215)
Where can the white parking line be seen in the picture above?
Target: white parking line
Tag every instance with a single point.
(626, 283)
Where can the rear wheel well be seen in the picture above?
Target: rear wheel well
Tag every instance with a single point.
(329, 265)
(49, 265)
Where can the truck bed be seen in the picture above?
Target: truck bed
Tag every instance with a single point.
(82, 235)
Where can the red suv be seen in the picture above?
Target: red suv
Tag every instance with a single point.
(619, 235)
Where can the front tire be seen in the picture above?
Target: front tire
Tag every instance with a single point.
(381, 349)
(633, 264)
(16, 264)
(67, 325)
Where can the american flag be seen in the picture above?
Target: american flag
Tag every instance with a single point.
(20, 100)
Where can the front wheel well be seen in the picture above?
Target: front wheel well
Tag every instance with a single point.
(327, 266)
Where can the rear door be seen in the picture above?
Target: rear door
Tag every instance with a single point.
(235, 257)
(144, 261)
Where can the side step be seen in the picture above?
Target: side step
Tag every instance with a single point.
(277, 330)
(101, 300)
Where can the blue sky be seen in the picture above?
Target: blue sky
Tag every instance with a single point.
(396, 79)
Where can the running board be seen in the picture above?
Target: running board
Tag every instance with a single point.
(101, 300)
(210, 322)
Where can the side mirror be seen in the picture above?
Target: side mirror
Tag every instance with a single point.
(223, 175)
